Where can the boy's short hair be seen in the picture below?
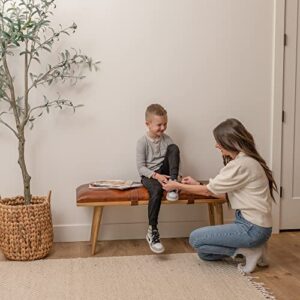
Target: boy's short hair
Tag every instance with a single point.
(155, 109)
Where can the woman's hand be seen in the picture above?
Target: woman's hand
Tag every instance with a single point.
(171, 185)
(189, 180)
(161, 178)
(189, 185)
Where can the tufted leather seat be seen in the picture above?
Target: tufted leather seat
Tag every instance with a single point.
(85, 194)
(100, 198)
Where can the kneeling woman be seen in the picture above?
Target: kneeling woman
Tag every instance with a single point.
(248, 184)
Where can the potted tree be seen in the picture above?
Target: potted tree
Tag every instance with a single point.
(25, 33)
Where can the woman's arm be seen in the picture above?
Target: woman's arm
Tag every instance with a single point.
(191, 188)
(195, 189)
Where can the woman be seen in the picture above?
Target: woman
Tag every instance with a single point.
(248, 184)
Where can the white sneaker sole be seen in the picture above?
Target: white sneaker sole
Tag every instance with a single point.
(172, 200)
(154, 250)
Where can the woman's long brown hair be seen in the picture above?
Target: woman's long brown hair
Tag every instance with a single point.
(233, 136)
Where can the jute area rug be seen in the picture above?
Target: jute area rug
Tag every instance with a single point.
(174, 276)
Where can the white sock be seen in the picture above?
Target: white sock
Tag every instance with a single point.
(252, 256)
(264, 261)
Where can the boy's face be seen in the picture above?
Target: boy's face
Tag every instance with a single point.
(156, 125)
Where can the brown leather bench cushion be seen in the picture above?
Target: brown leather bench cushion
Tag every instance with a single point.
(86, 195)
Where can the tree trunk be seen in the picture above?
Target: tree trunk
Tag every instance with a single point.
(25, 175)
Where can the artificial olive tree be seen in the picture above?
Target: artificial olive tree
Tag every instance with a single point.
(25, 33)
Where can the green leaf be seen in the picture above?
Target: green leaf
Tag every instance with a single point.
(8, 20)
(79, 105)
(19, 24)
(24, 52)
(46, 48)
(6, 34)
(36, 59)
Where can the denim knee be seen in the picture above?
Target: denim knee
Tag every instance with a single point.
(194, 239)
(198, 237)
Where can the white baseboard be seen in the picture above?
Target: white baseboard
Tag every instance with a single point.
(125, 231)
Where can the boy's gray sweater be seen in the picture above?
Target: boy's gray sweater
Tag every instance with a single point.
(151, 153)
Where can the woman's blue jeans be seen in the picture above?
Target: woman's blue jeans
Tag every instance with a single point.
(220, 241)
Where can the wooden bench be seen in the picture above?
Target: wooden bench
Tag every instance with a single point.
(99, 199)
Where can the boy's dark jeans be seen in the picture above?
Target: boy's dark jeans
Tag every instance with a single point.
(170, 167)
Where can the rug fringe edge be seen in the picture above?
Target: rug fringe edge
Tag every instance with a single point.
(259, 286)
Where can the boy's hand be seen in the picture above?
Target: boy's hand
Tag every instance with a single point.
(162, 178)
(189, 180)
(170, 185)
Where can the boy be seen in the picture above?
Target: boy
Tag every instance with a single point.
(157, 162)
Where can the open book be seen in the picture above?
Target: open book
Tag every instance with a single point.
(114, 184)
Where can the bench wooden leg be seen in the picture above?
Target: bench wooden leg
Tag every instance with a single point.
(95, 226)
(211, 214)
(219, 214)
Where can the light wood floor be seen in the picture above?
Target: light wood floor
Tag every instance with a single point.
(282, 277)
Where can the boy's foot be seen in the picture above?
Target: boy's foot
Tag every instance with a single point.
(252, 256)
(153, 240)
(172, 195)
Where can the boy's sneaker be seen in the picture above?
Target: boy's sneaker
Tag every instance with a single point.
(172, 195)
(153, 240)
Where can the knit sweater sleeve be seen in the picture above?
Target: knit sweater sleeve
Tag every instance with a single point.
(141, 154)
(232, 177)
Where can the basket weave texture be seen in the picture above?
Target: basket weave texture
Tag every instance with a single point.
(26, 231)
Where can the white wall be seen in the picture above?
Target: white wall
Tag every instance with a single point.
(203, 60)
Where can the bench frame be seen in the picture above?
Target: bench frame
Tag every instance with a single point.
(215, 211)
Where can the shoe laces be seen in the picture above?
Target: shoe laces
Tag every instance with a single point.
(155, 236)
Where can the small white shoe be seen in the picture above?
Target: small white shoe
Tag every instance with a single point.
(172, 195)
(153, 240)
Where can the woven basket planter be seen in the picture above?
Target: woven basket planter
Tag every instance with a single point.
(26, 231)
